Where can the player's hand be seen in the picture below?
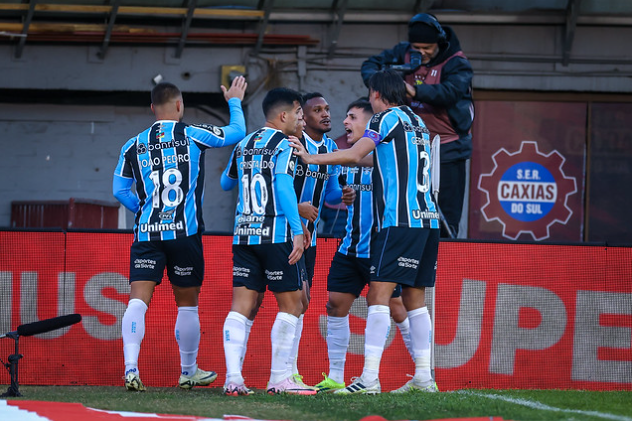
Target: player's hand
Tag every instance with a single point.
(237, 89)
(299, 149)
(307, 211)
(410, 90)
(348, 195)
(297, 249)
(307, 237)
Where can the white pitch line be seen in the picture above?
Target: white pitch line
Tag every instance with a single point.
(543, 407)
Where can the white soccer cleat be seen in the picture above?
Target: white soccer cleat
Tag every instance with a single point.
(133, 383)
(200, 378)
(359, 386)
(289, 387)
(234, 389)
(412, 387)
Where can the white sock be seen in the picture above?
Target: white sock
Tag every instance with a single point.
(337, 344)
(245, 347)
(187, 331)
(282, 338)
(378, 324)
(133, 330)
(420, 329)
(404, 329)
(235, 327)
(292, 361)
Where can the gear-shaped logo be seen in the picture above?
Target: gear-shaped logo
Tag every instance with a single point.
(527, 191)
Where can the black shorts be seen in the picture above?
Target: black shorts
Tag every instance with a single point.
(349, 274)
(310, 263)
(261, 265)
(183, 258)
(407, 256)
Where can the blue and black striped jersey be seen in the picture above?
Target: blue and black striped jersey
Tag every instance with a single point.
(256, 163)
(166, 162)
(312, 182)
(401, 179)
(357, 241)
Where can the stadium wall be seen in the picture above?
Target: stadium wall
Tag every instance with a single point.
(508, 315)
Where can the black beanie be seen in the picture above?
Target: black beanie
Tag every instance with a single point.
(422, 33)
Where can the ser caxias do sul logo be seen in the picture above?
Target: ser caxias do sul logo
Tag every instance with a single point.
(527, 191)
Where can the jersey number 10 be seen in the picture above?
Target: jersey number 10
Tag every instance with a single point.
(254, 194)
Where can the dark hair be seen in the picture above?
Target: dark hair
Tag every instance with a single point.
(361, 103)
(279, 97)
(164, 92)
(311, 95)
(390, 85)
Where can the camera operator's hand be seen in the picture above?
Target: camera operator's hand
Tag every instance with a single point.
(410, 90)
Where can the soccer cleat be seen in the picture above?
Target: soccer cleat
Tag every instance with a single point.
(359, 386)
(298, 379)
(133, 383)
(412, 387)
(290, 387)
(234, 389)
(200, 378)
(328, 385)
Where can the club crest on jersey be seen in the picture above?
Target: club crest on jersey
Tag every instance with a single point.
(527, 191)
(166, 215)
(416, 140)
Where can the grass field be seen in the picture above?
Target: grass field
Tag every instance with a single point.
(209, 402)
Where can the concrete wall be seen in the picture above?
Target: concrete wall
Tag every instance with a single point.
(62, 151)
(55, 152)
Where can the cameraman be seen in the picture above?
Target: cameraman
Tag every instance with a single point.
(438, 80)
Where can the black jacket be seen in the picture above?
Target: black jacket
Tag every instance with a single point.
(454, 92)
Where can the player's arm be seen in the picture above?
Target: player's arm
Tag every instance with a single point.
(333, 192)
(308, 211)
(349, 157)
(367, 161)
(284, 186)
(236, 129)
(124, 178)
(228, 180)
(216, 137)
(122, 190)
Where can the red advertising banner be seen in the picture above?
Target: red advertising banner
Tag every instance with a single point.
(527, 171)
(507, 316)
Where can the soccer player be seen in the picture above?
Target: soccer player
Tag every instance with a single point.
(314, 184)
(349, 271)
(405, 248)
(166, 162)
(268, 243)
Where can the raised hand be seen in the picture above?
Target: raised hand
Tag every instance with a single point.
(237, 88)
